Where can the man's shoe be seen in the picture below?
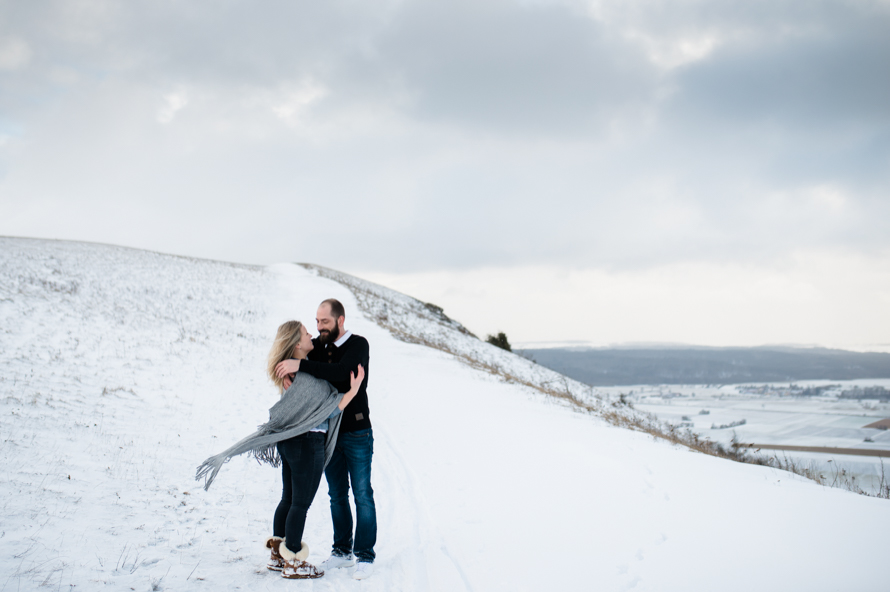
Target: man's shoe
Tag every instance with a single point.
(335, 561)
(363, 570)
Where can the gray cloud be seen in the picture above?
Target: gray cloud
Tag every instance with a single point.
(834, 72)
(499, 65)
(449, 135)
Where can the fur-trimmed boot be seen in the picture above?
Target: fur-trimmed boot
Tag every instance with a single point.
(295, 565)
(276, 563)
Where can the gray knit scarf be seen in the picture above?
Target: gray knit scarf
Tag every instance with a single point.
(307, 403)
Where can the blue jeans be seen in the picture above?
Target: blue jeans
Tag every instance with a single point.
(351, 462)
(302, 459)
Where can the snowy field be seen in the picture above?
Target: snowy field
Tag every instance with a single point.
(781, 414)
(121, 370)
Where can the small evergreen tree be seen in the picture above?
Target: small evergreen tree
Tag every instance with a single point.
(499, 340)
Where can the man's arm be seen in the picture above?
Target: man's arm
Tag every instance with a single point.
(288, 368)
(356, 354)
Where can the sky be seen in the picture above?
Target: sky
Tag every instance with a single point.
(704, 172)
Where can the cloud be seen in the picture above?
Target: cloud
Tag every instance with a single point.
(173, 102)
(834, 71)
(615, 135)
(14, 53)
(546, 68)
(807, 298)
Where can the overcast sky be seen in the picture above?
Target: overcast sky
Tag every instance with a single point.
(710, 172)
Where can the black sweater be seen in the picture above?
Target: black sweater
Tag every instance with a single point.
(334, 364)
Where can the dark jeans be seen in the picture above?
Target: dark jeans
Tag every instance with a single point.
(302, 462)
(351, 462)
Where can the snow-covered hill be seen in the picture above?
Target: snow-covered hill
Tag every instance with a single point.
(121, 370)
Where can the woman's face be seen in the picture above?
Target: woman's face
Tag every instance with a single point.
(305, 345)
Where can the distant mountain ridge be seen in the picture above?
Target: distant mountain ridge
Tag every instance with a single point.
(709, 365)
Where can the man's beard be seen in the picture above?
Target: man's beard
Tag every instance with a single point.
(329, 336)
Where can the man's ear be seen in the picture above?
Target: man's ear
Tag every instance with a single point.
(341, 320)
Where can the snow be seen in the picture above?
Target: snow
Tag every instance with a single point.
(121, 370)
(773, 414)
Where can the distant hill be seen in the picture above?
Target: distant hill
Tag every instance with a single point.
(700, 365)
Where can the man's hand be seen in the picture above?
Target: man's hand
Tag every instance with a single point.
(287, 367)
(355, 383)
(287, 381)
(355, 379)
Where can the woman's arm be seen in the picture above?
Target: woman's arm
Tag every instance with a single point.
(355, 381)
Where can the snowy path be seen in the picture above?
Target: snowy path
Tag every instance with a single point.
(108, 406)
(123, 369)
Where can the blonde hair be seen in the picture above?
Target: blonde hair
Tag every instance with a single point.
(283, 347)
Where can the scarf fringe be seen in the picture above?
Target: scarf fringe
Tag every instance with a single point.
(210, 467)
(267, 454)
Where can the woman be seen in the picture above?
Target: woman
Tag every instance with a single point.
(300, 436)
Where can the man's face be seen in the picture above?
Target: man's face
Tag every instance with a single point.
(328, 327)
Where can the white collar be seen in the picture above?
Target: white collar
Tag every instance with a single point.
(343, 339)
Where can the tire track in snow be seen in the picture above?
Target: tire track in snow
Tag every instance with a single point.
(420, 554)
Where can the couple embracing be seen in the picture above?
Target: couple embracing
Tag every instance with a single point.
(320, 424)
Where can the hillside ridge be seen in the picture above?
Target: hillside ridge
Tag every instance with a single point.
(121, 370)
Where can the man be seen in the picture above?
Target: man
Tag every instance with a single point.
(336, 353)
